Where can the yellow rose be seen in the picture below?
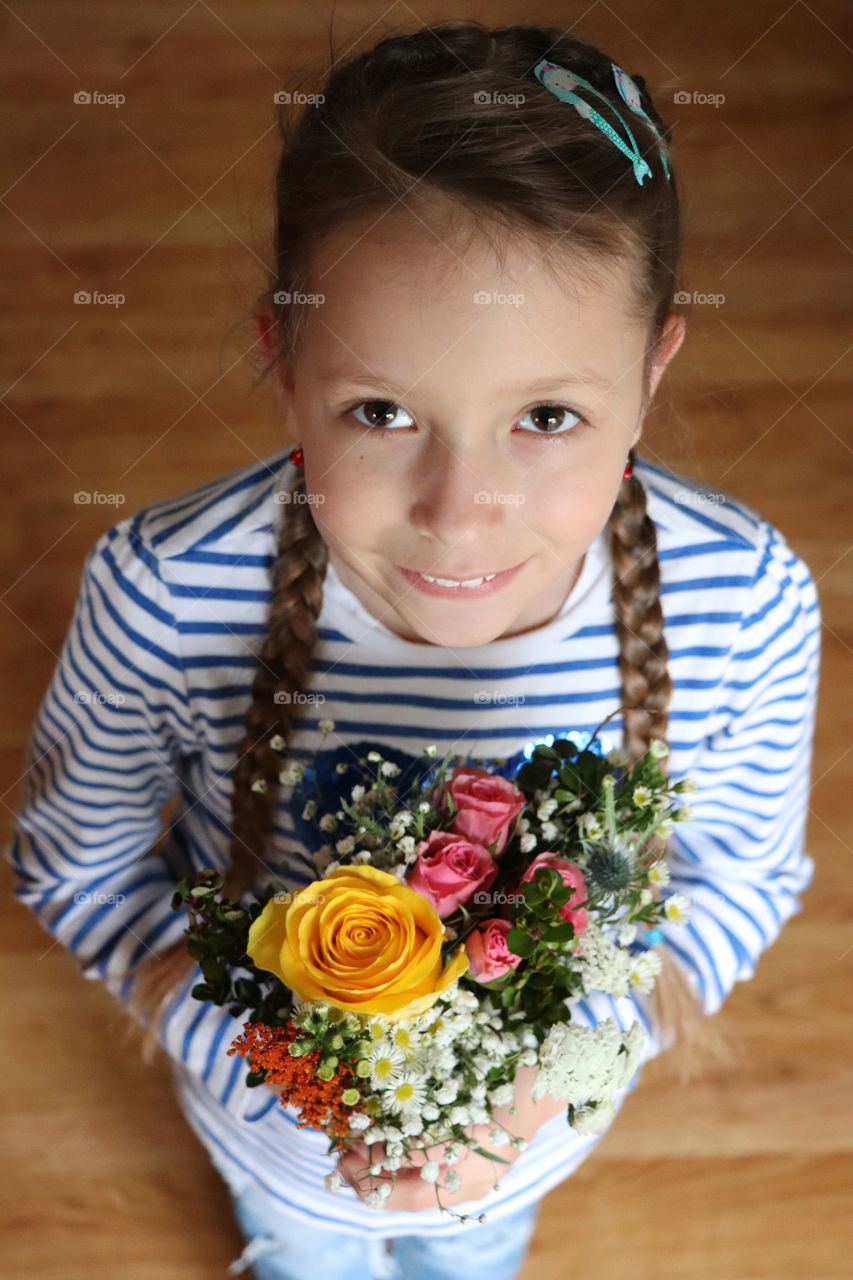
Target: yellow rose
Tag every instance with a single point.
(358, 939)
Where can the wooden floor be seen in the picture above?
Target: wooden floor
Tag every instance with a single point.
(746, 1173)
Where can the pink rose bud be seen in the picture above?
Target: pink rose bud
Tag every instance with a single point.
(488, 955)
(572, 876)
(449, 869)
(487, 805)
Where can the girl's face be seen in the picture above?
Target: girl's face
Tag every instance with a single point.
(461, 418)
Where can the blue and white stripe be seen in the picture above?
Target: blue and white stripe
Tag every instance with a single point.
(148, 697)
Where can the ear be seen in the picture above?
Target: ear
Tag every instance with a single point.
(674, 330)
(265, 327)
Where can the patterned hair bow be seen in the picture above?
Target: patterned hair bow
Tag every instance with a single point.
(561, 82)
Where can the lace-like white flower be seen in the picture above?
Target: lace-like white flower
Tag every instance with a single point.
(604, 966)
(582, 1064)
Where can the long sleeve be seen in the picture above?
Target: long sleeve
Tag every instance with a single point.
(103, 756)
(740, 858)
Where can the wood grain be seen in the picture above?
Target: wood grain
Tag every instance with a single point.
(744, 1174)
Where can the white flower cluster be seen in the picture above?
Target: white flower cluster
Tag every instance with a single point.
(604, 966)
(426, 1076)
(584, 1064)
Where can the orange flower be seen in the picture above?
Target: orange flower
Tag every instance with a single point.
(317, 1101)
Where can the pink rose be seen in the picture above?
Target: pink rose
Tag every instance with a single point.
(449, 869)
(487, 805)
(488, 955)
(573, 877)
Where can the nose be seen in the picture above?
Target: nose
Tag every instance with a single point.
(457, 499)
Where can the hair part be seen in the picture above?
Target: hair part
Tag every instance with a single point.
(404, 123)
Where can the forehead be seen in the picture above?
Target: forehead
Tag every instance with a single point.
(389, 282)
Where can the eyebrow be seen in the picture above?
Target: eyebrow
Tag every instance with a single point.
(578, 377)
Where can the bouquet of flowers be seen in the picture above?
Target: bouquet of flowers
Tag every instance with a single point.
(442, 942)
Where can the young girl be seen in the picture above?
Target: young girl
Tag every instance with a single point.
(469, 313)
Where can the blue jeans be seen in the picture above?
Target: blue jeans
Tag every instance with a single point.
(283, 1247)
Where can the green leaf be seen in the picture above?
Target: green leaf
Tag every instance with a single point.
(532, 892)
(520, 943)
(201, 991)
(562, 932)
(561, 893)
(489, 1155)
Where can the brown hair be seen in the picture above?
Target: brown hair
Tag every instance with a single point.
(419, 119)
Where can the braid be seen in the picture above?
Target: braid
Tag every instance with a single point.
(646, 683)
(646, 692)
(283, 670)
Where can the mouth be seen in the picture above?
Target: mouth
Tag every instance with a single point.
(480, 585)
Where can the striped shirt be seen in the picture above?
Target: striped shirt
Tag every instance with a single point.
(148, 698)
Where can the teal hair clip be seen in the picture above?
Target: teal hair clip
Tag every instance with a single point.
(561, 82)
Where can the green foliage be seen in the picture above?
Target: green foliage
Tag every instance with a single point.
(217, 937)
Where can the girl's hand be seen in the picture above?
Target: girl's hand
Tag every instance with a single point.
(478, 1174)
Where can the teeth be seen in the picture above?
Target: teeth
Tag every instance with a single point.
(469, 582)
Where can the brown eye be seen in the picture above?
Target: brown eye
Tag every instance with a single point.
(379, 411)
(553, 419)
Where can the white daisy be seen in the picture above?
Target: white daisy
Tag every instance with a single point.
(386, 1062)
(645, 968)
(659, 873)
(408, 1093)
(677, 908)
